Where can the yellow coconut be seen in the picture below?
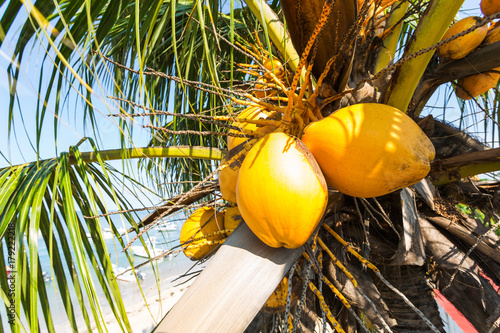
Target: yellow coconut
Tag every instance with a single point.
(462, 46)
(228, 174)
(281, 192)
(492, 36)
(475, 85)
(490, 7)
(368, 150)
(277, 301)
(204, 221)
(232, 219)
(274, 66)
(249, 113)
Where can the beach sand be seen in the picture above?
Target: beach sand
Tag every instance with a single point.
(142, 318)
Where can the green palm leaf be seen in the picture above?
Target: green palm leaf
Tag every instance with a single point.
(46, 197)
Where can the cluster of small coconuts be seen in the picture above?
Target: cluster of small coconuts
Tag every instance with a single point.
(278, 184)
(474, 85)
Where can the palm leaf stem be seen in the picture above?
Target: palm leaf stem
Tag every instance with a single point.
(430, 30)
(205, 153)
(390, 43)
(276, 30)
(466, 165)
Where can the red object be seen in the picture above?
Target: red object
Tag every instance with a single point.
(453, 312)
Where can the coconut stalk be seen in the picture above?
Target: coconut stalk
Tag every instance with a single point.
(430, 31)
(232, 288)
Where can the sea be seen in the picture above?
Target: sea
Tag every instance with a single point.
(155, 277)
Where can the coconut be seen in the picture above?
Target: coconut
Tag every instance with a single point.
(274, 66)
(462, 46)
(490, 7)
(368, 150)
(203, 222)
(232, 219)
(281, 192)
(477, 84)
(492, 36)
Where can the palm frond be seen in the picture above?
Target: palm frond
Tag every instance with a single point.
(55, 197)
(176, 38)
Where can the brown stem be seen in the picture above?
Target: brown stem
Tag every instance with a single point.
(481, 60)
(465, 165)
(196, 195)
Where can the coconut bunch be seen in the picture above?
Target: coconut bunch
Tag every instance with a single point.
(284, 153)
(474, 85)
(279, 176)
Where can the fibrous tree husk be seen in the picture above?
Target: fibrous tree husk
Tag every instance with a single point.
(302, 18)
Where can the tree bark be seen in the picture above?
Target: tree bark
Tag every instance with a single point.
(463, 234)
(303, 16)
(413, 283)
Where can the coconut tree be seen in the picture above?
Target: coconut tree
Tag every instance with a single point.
(184, 70)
